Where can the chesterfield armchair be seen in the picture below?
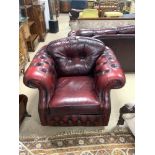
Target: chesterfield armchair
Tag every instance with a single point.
(74, 76)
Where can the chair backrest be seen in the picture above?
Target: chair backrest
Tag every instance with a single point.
(124, 47)
(93, 32)
(129, 29)
(75, 55)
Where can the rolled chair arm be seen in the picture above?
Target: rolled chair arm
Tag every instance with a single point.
(41, 74)
(108, 72)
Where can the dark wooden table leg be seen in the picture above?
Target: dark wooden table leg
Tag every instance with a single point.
(22, 108)
(127, 108)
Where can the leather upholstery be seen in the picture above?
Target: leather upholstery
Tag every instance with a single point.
(129, 29)
(108, 73)
(41, 74)
(93, 32)
(124, 47)
(76, 120)
(76, 93)
(69, 94)
(75, 56)
(120, 39)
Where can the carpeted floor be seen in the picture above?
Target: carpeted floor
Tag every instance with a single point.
(118, 142)
(31, 125)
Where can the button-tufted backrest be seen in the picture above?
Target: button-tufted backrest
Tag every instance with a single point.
(75, 55)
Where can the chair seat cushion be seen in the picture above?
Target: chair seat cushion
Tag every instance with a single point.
(75, 95)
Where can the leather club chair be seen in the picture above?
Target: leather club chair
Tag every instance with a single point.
(74, 76)
(121, 40)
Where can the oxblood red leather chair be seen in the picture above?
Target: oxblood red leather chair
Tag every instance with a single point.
(74, 76)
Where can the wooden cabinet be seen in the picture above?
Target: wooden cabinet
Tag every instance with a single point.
(65, 6)
(91, 4)
(23, 50)
(107, 6)
(26, 30)
(32, 42)
(34, 10)
(38, 10)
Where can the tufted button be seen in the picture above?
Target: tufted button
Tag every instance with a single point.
(103, 72)
(42, 57)
(103, 63)
(43, 70)
(69, 60)
(110, 58)
(103, 55)
(82, 59)
(46, 62)
(114, 65)
(39, 64)
(106, 52)
(106, 70)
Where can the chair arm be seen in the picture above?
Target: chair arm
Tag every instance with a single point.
(41, 74)
(108, 72)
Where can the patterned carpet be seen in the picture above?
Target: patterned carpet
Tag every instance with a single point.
(120, 141)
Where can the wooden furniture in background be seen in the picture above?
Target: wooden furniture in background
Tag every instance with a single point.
(32, 41)
(34, 10)
(91, 4)
(107, 6)
(39, 18)
(65, 6)
(22, 108)
(23, 50)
